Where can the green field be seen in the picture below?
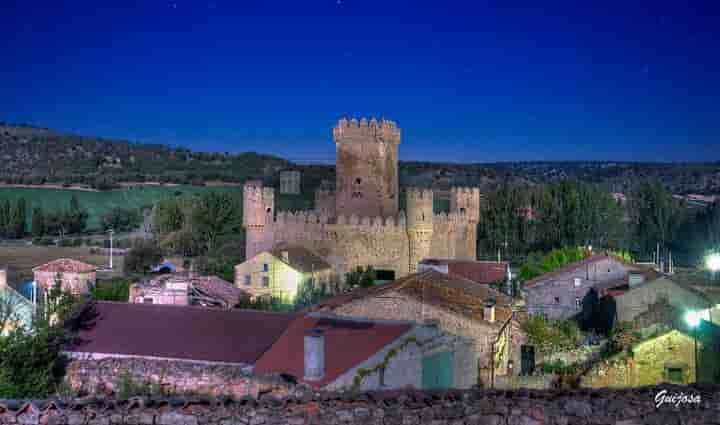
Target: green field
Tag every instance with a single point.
(98, 203)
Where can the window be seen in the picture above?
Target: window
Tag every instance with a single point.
(358, 180)
(248, 280)
(147, 300)
(577, 282)
(578, 304)
(266, 281)
(557, 300)
(266, 267)
(674, 374)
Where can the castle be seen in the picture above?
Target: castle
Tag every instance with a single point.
(360, 223)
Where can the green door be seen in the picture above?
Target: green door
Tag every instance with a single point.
(437, 371)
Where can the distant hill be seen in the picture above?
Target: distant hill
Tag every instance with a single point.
(32, 155)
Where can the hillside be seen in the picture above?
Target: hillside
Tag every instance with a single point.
(32, 155)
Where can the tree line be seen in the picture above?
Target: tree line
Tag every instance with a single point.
(14, 223)
(517, 220)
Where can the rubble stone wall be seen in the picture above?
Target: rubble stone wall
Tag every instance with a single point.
(106, 376)
(522, 407)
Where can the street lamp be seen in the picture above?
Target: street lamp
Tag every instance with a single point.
(693, 320)
(712, 262)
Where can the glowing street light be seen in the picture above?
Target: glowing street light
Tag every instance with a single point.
(693, 320)
(712, 262)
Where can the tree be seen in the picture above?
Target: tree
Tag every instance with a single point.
(112, 290)
(168, 216)
(18, 219)
(589, 308)
(143, 257)
(38, 223)
(31, 363)
(121, 219)
(656, 215)
(216, 214)
(363, 278)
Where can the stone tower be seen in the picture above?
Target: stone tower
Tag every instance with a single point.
(466, 200)
(366, 167)
(419, 225)
(258, 217)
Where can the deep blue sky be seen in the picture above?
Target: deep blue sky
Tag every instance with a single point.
(467, 81)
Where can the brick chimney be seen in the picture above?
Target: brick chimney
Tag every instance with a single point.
(314, 342)
(3, 278)
(489, 311)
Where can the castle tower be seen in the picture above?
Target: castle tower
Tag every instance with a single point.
(466, 200)
(366, 167)
(419, 225)
(258, 217)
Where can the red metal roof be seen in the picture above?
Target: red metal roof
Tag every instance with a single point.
(180, 332)
(66, 265)
(348, 343)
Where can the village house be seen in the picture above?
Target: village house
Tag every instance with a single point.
(187, 289)
(483, 272)
(559, 294)
(636, 294)
(663, 351)
(459, 306)
(72, 275)
(318, 350)
(283, 271)
(16, 308)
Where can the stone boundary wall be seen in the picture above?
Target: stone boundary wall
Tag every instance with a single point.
(521, 407)
(105, 376)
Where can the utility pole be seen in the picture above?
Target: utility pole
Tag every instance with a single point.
(111, 232)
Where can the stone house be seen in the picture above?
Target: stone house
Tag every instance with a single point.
(74, 276)
(290, 182)
(559, 294)
(635, 296)
(663, 352)
(254, 347)
(187, 289)
(283, 271)
(457, 305)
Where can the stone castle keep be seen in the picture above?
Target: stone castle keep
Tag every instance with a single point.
(360, 223)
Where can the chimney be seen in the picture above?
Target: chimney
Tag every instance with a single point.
(285, 256)
(3, 278)
(314, 355)
(489, 311)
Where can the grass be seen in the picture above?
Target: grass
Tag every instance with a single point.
(23, 259)
(98, 203)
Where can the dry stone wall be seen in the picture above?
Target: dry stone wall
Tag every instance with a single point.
(105, 376)
(472, 407)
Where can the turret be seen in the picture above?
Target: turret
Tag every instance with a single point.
(465, 201)
(366, 167)
(419, 225)
(258, 216)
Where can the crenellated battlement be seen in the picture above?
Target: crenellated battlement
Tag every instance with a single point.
(366, 130)
(416, 194)
(311, 218)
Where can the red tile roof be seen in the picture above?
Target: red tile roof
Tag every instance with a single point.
(348, 343)
(65, 265)
(179, 332)
(572, 266)
(478, 271)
